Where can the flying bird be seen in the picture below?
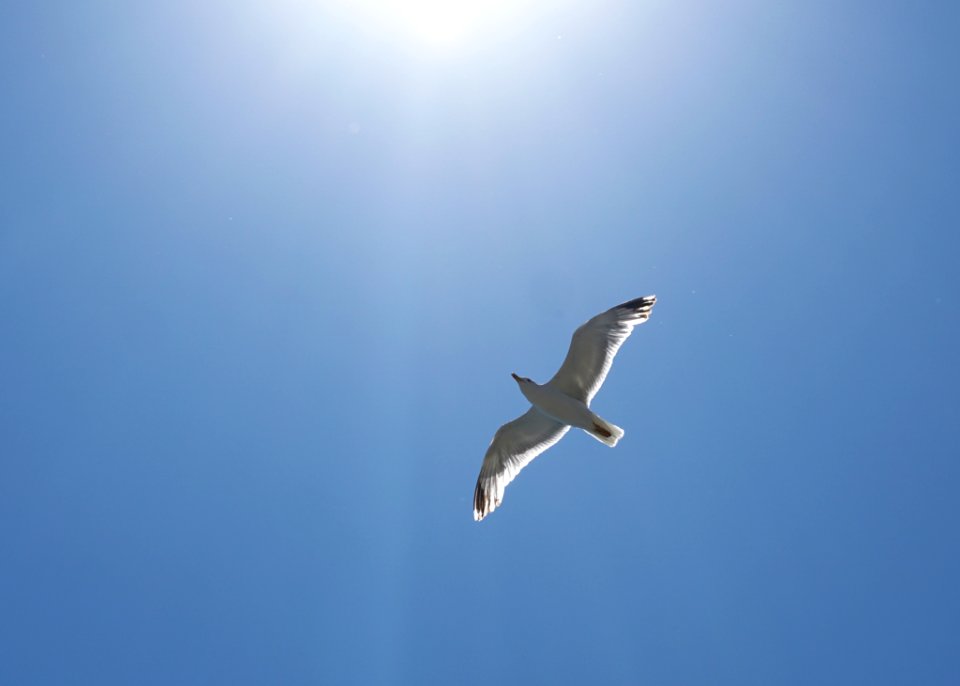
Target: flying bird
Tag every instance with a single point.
(562, 402)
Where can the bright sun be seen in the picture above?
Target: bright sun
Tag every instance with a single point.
(439, 22)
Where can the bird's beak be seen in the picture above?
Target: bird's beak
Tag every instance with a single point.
(515, 377)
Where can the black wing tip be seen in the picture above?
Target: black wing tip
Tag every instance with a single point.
(479, 503)
(483, 504)
(644, 303)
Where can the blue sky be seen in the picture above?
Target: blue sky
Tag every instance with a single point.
(265, 269)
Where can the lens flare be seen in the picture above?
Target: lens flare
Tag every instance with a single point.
(439, 22)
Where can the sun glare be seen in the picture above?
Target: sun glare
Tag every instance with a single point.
(438, 22)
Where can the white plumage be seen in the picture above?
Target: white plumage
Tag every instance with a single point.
(562, 402)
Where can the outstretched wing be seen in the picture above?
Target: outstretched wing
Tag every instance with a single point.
(513, 447)
(594, 346)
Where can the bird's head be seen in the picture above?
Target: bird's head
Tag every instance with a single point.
(520, 379)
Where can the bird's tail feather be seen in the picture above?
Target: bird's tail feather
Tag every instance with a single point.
(605, 432)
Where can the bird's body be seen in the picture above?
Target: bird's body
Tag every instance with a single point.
(564, 409)
(562, 402)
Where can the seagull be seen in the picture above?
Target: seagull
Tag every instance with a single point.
(562, 402)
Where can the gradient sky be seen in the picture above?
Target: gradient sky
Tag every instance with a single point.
(265, 269)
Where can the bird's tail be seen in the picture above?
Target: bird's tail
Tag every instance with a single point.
(605, 432)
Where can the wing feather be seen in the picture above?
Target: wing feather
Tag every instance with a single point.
(513, 447)
(594, 346)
